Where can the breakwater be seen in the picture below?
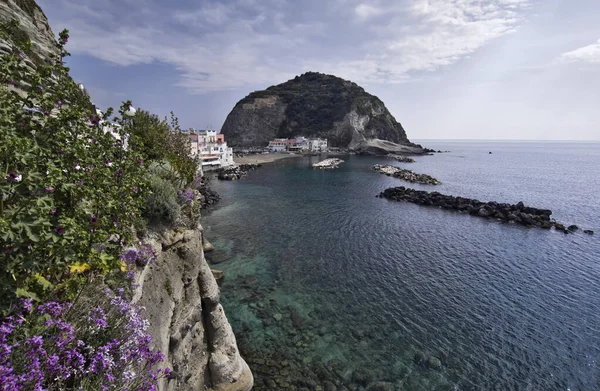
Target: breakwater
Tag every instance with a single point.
(406, 175)
(400, 158)
(328, 163)
(511, 213)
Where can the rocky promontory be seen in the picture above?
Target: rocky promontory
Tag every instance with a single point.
(511, 213)
(318, 105)
(406, 175)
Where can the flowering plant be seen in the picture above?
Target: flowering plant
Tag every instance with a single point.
(67, 180)
(68, 347)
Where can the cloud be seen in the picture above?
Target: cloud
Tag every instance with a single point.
(220, 45)
(589, 54)
(366, 11)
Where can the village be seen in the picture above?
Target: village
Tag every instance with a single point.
(214, 152)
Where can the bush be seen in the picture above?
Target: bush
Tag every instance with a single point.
(161, 203)
(70, 192)
(160, 141)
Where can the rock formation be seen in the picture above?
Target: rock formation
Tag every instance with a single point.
(236, 172)
(187, 322)
(33, 26)
(318, 105)
(406, 175)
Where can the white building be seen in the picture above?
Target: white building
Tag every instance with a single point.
(317, 145)
(211, 147)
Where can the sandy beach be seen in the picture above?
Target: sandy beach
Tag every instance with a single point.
(262, 159)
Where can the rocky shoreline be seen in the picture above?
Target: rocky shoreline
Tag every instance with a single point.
(236, 172)
(406, 175)
(511, 213)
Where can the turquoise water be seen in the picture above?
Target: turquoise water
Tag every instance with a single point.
(328, 287)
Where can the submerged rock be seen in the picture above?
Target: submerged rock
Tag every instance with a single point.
(362, 377)
(381, 386)
(419, 358)
(434, 363)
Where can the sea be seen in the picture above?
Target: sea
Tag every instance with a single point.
(328, 287)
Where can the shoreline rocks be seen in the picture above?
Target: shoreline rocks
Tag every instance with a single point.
(400, 158)
(510, 213)
(236, 172)
(406, 175)
(328, 163)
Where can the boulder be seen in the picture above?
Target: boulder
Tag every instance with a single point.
(588, 231)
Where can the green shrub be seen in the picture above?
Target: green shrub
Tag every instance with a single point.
(161, 202)
(161, 141)
(70, 192)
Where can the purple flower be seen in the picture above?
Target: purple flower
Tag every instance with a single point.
(108, 163)
(49, 189)
(139, 160)
(9, 81)
(59, 103)
(135, 189)
(80, 182)
(53, 211)
(93, 220)
(60, 229)
(14, 177)
(19, 54)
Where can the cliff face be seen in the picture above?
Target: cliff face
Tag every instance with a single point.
(317, 105)
(33, 26)
(187, 322)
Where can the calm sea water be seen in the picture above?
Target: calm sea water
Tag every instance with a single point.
(328, 287)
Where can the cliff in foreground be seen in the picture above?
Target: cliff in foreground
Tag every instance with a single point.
(317, 105)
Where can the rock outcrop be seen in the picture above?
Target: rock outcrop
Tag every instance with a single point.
(406, 175)
(187, 322)
(33, 26)
(318, 105)
(236, 172)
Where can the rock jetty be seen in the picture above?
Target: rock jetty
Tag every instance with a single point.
(328, 163)
(236, 172)
(406, 175)
(401, 158)
(511, 213)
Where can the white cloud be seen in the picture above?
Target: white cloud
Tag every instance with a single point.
(366, 11)
(216, 46)
(590, 54)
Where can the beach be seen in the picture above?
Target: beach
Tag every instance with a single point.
(262, 159)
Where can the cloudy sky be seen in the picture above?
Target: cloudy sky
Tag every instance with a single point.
(446, 69)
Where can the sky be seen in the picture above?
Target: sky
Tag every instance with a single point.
(446, 69)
